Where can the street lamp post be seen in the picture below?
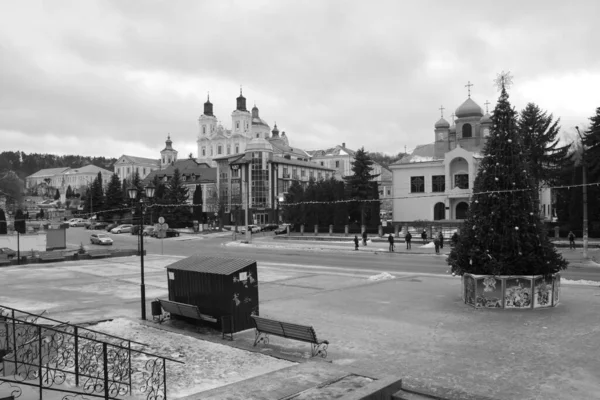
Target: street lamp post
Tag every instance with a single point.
(585, 208)
(141, 209)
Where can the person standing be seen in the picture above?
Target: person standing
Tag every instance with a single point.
(364, 236)
(571, 240)
(355, 242)
(391, 240)
(436, 242)
(408, 238)
(424, 236)
(441, 237)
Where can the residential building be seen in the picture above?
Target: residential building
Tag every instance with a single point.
(435, 181)
(61, 178)
(259, 178)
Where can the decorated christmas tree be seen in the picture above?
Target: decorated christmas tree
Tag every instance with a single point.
(503, 233)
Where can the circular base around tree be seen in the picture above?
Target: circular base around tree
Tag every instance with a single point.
(511, 291)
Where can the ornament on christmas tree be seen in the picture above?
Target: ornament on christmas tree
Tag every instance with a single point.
(496, 178)
(516, 228)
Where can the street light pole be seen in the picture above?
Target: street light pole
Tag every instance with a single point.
(585, 208)
(141, 206)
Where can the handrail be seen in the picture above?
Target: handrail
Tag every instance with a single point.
(68, 324)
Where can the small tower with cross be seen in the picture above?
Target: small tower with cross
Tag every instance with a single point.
(168, 155)
(442, 127)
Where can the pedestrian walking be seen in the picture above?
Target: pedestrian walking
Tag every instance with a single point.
(424, 236)
(364, 235)
(454, 239)
(355, 242)
(441, 237)
(571, 240)
(436, 242)
(391, 240)
(407, 239)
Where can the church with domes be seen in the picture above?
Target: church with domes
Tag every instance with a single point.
(435, 182)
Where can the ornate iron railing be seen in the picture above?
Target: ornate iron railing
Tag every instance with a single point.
(73, 360)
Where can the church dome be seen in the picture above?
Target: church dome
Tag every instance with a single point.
(256, 120)
(259, 144)
(442, 123)
(469, 109)
(487, 119)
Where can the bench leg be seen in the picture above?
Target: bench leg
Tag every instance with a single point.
(319, 349)
(261, 337)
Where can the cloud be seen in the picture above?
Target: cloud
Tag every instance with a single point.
(126, 73)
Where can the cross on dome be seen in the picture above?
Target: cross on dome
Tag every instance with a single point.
(442, 110)
(487, 103)
(468, 86)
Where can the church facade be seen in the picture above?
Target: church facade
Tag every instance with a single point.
(214, 141)
(435, 182)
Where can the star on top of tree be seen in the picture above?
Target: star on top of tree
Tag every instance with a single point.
(503, 80)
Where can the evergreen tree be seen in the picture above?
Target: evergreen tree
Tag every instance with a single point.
(3, 224)
(294, 213)
(503, 233)
(57, 195)
(541, 145)
(360, 182)
(20, 225)
(69, 193)
(197, 199)
(591, 141)
(176, 195)
(114, 193)
(97, 194)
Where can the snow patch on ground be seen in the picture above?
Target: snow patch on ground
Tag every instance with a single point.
(429, 245)
(207, 365)
(583, 282)
(381, 277)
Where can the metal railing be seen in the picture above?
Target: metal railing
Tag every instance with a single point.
(73, 360)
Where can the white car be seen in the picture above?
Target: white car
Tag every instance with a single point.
(100, 238)
(76, 222)
(122, 228)
(253, 229)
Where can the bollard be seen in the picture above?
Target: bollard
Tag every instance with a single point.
(302, 230)
(363, 229)
(380, 230)
(288, 230)
(397, 230)
(346, 229)
(330, 230)
(316, 230)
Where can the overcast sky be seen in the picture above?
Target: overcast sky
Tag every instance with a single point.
(105, 78)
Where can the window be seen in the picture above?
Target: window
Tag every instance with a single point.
(211, 150)
(203, 151)
(461, 181)
(311, 174)
(169, 160)
(438, 183)
(237, 125)
(337, 164)
(286, 174)
(319, 176)
(467, 131)
(219, 149)
(204, 129)
(237, 148)
(127, 170)
(417, 184)
(294, 173)
(322, 163)
(302, 173)
(228, 149)
(235, 173)
(144, 170)
(388, 192)
(184, 178)
(212, 128)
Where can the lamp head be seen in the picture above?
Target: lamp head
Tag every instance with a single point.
(150, 189)
(132, 192)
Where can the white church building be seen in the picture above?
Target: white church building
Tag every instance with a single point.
(435, 182)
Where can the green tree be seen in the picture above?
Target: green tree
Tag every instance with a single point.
(545, 157)
(360, 182)
(114, 193)
(591, 141)
(69, 192)
(197, 199)
(57, 195)
(97, 194)
(20, 225)
(294, 213)
(503, 233)
(176, 195)
(3, 225)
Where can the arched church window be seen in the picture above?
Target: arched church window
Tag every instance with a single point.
(237, 148)
(439, 211)
(203, 151)
(219, 149)
(467, 131)
(204, 129)
(461, 210)
(228, 149)
(237, 125)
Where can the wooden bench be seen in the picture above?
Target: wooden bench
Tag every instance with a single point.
(191, 311)
(52, 257)
(99, 253)
(304, 333)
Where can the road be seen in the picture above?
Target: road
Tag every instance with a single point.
(341, 259)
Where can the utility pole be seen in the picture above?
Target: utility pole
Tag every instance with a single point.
(585, 208)
(246, 202)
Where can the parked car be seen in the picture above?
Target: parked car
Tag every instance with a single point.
(282, 229)
(169, 233)
(252, 228)
(269, 227)
(97, 225)
(111, 226)
(77, 222)
(100, 238)
(10, 253)
(135, 230)
(125, 228)
(148, 231)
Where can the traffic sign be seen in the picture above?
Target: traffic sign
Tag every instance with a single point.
(161, 220)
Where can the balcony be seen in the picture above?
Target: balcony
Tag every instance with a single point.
(286, 176)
